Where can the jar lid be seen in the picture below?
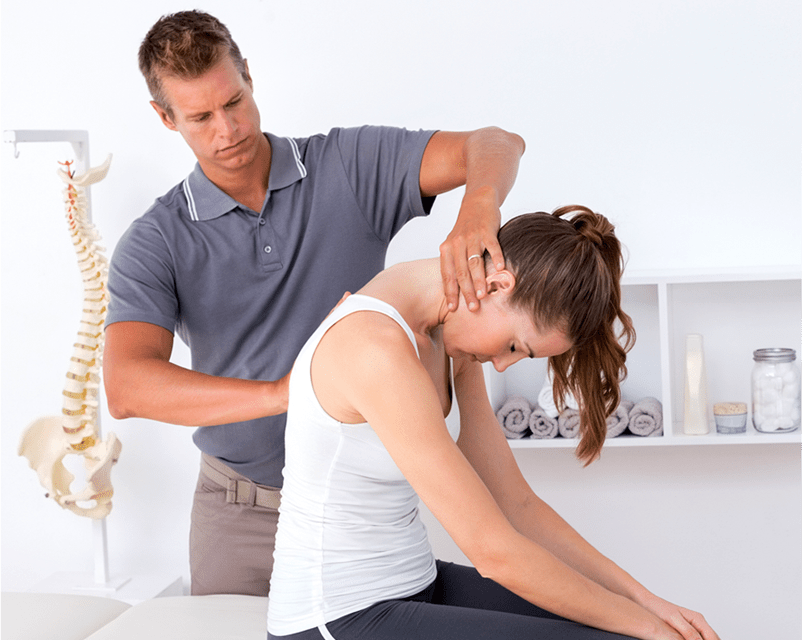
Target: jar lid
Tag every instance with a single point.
(774, 355)
(729, 408)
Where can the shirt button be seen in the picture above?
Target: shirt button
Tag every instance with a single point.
(268, 249)
(262, 221)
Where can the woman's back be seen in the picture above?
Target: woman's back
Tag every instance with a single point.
(349, 518)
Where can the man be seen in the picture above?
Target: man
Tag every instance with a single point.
(246, 256)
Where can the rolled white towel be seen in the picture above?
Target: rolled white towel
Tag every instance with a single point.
(618, 421)
(513, 416)
(546, 398)
(542, 425)
(646, 417)
(568, 423)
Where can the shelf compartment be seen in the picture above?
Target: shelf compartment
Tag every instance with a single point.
(734, 318)
(526, 378)
(735, 310)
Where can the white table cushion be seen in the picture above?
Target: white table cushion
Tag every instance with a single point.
(46, 616)
(215, 617)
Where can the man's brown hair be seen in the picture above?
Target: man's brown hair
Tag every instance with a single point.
(185, 45)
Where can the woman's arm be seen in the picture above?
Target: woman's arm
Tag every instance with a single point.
(485, 447)
(365, 369)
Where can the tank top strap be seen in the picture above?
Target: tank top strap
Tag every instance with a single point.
(359, 302)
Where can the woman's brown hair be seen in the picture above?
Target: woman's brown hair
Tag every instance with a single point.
(185, 45)
(568, 268)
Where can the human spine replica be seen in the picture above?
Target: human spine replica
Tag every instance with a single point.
(47, 441)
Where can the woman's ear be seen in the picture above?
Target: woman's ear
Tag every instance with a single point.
(501, 282)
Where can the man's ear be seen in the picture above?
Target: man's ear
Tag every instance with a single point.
(501, 282)
(165, 117)
(248, 77)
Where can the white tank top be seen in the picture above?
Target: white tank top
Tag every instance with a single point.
(349, 533)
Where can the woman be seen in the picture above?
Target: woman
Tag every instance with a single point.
(366, 435)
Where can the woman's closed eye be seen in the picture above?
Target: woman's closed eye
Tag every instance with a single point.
(528, 352)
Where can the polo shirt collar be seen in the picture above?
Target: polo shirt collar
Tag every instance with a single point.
(207, 201)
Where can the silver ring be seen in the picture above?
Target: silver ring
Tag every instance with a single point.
(475, 255)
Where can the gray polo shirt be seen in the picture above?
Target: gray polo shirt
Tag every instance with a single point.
(245, 290)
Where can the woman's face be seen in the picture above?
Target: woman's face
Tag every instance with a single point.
(499, 333)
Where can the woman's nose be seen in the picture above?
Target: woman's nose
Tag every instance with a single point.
(500, 364)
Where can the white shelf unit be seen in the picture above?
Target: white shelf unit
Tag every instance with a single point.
(735, 310)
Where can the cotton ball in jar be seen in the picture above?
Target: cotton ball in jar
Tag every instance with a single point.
(791, 377)
(768, 395)
(770, 424)
(768, 409)
(776, 390)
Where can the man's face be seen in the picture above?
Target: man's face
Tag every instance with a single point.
(216, 115)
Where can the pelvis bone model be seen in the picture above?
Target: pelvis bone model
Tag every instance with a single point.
(47, 441)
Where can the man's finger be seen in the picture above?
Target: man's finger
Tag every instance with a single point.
(345, 295)
(465, 280)
(494, 249)
(476, 264)
(447, 272)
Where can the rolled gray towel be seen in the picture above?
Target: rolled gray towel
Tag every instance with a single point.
(646, 417)
(542, 425)
(568, 423)
(618, 422)
(514, 417)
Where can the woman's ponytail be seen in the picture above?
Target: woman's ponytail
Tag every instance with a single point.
(568, 268)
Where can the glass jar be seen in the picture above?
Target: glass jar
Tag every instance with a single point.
(776, 391)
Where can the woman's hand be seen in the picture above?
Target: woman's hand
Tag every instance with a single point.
(689, 625)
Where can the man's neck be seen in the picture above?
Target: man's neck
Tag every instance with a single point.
(247, 184)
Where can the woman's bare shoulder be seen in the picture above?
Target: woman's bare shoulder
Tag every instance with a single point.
(357, 360)
(362, 343)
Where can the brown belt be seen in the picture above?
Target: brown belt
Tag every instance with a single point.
(239, 491)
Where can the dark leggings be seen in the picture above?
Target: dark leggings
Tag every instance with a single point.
(459, 605)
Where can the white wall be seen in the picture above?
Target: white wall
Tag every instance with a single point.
(680, 120)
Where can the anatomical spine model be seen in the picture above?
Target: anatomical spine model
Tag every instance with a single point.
(47, 441)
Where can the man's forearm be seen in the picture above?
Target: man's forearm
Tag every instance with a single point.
(486, 162)
(492, 156)
(163, 391)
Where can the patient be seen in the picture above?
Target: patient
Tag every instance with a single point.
(366, 436)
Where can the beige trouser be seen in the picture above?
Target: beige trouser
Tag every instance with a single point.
(233, 532)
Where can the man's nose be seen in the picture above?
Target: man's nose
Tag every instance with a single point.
(226, 124)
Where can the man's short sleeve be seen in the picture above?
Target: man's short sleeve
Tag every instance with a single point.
(383, 168)
(141, 279)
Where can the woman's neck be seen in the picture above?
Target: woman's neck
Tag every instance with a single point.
(415, 289)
